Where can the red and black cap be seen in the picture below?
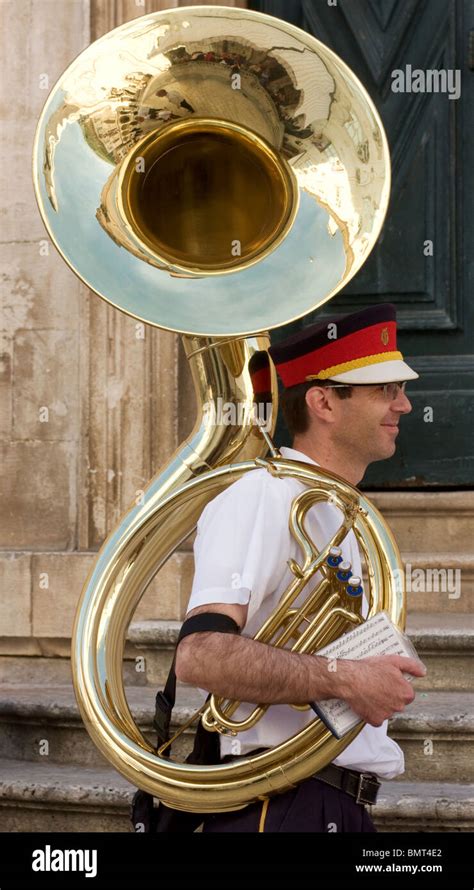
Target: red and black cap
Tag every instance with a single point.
(356, 348)
(261, 375)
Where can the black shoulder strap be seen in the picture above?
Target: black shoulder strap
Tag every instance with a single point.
(164, 702)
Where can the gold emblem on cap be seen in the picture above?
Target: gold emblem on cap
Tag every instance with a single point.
(384, 336)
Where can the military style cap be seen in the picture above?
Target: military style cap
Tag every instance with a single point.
(356, 348)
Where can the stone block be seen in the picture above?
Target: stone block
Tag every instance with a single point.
(430, 520)
(446, 757)
(37, 481)
(60, 31)
(446, 672)
(37, 291)
(15, 595)
(15, 817)
(45, 385)
(436, 732)
(20, 219)
(5, 385)
(41, 670)
(440, 582)
(168, 594)
(54, 605)
(34, 671)
(424, 806)
(62, 797)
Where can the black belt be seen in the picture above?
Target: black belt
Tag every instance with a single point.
(363, 786)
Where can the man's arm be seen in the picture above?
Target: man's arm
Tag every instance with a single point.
(240, 668)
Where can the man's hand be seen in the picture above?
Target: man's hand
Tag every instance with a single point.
(375, 687)
(237, 667)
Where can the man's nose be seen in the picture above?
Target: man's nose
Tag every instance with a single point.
(402, 404)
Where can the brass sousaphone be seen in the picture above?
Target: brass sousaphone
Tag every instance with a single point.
(218, 173)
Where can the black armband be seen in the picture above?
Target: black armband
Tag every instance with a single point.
(206, 621)
(164, 702)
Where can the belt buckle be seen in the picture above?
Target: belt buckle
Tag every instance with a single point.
(363, 779)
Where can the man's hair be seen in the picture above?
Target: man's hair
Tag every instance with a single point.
(294, 407)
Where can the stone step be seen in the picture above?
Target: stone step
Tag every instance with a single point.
(446, 645)
(37, 670)
(428, 520)
(436, 731)
(423, 522)
(150, 645)
(62, 797)
(444, 642)
(438, 581)
(43, 724)
(66, 797)
(424, 806)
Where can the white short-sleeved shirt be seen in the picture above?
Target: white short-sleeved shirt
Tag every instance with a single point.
(241, 551)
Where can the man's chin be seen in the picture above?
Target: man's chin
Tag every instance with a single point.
(385, 452)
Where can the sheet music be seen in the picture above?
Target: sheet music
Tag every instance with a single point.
(377, 636)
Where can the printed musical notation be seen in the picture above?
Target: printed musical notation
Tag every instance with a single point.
(377, 636)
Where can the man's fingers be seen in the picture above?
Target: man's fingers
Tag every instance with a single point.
(409, 665)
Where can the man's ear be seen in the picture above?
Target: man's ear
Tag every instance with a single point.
(318, 400)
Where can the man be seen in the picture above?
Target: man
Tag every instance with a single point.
(343, 400)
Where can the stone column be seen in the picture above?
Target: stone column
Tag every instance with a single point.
(91, 402)
(40, 390)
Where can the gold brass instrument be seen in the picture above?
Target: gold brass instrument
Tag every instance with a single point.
(326, 613)
(215, 172)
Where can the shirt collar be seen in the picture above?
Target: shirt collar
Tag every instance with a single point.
(293, 454)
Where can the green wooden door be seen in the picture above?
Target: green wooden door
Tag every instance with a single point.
(423, 261)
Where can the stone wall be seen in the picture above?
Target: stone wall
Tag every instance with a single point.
(89, 408)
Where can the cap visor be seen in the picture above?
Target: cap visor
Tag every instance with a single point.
(381, 372)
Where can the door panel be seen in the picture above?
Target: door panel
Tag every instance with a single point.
(431, 140)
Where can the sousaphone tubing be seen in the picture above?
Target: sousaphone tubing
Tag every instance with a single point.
(218, 173)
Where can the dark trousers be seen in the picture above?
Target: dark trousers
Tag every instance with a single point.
(313, 806)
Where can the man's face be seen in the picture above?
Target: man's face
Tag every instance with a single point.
(369, 421)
